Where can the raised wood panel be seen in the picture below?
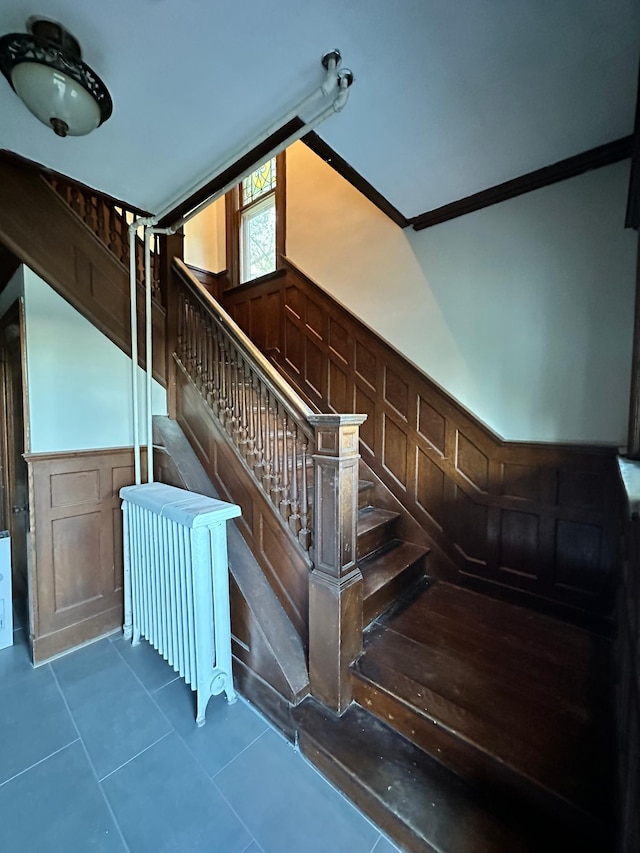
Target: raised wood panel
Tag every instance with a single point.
(475, 494)
(430, 488)
(365, 405)
(339, 340)
(519, 543)
(431, 425)
(396, 393)
(281, 561)
(42, 231)
(472, 463)
(69, 538)
(394, 456)
(315, 370)
(76, 570)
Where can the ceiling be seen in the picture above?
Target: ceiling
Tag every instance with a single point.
(450, 97)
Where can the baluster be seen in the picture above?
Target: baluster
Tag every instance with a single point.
(197, 349)
(90, 212)
(113, 234)
(206, 359)
(180, 332)
(216, 371)
(285, 501)
(250, 450)
(101, 224)
(304, 535)
(245, 414)
(228, 403)
(259, 446)
(295, 522)
(276, 489)
(267, 471)
(77, 201)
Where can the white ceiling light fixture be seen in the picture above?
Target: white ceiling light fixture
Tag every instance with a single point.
(44, 67)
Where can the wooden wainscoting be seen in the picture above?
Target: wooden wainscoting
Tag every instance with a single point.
(76, 566)
(535, 522)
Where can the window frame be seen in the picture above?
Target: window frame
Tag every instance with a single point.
(233, 218)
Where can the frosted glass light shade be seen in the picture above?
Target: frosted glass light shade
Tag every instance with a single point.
(54, 97)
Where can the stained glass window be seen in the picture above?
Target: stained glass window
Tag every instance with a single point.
(258, 222)
(259, 183)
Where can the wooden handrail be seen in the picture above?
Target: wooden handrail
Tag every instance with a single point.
(271, 377)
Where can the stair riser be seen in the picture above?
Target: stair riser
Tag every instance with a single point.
(356, 790)
(376, 538)
(365, 497)
(378, 602)
(495, 779)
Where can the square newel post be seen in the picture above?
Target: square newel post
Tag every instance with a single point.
(335, 586)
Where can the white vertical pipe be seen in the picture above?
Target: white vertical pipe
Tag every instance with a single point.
(148, 349)
(133, 304)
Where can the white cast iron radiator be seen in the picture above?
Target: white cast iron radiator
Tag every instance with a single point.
(176, 584)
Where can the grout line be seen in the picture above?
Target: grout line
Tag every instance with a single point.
(377, 841)
(243, 750)
(225, 798)
(92, 768)
(162, 686)
(133, 757)
(36, 763)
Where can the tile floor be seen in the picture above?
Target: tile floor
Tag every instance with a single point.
(99, 751)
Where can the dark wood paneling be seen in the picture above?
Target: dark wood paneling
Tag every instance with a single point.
(595, 158)
(281, 562)
(41, 230)
(535, 521)
(76, 563)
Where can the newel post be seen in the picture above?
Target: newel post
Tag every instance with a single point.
(335, 586)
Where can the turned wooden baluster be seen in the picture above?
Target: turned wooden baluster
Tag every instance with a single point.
(267, 471)
(285, 500)
(250, 453)
(295, 523)
(276, 487)
(245, 414)
(259, 447)
(101, 221)
(304, 535)
(217, 380)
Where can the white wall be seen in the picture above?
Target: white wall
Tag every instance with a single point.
(79, 382)
(523, 311)
(204, 238)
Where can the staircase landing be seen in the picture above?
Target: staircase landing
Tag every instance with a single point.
(503, 716)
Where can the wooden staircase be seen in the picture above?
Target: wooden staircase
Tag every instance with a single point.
(389, 565)
(477, 726)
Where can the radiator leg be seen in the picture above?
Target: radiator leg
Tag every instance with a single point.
(135, 637)
(201, 706)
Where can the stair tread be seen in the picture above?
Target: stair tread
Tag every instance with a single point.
(491, 704)
(379, 568)
(371, 517)
(420, 803)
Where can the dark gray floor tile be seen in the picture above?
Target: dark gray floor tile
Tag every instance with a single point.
(57, 806)
(150, 667)
(228, 729)
(114, 714)
(288, 806)
(34, 722)
(15, 661)
(164, 802)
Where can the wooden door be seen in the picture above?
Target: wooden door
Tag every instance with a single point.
(15, 502)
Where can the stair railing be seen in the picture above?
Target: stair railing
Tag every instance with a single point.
(110, 223)
(305, 464)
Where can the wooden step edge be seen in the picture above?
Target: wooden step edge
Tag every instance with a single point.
(419, 803)
(388, 574)
(472, 762)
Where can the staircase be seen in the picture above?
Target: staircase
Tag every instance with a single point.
(486, 727)
(389, 565)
